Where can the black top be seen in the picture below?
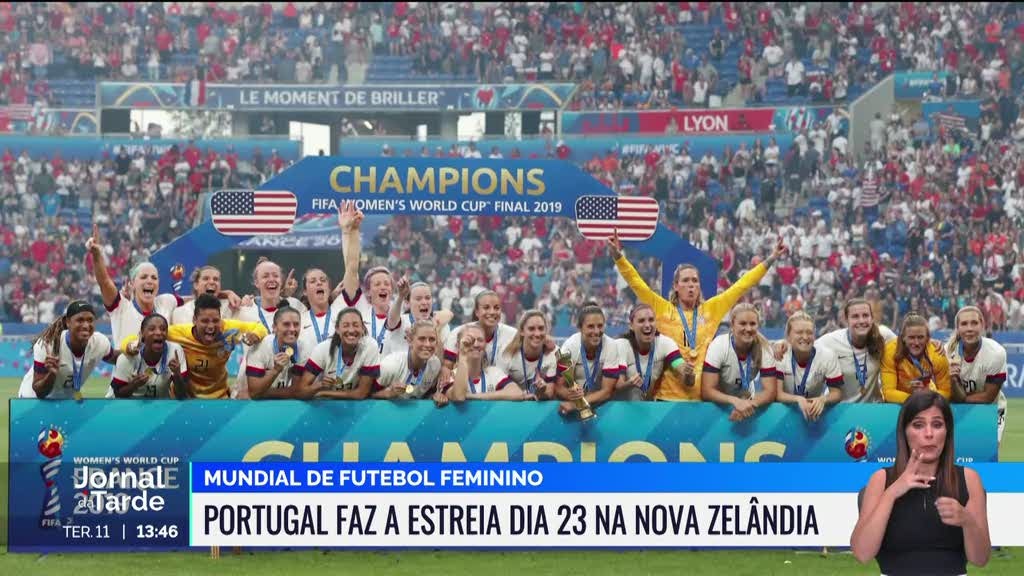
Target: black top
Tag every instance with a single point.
(916, 541)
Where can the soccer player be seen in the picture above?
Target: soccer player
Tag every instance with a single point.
(65, 354)
(141, 291)
(686, 317)
(809, 376)
(913, 362)
(859, 348)
(527, 359)
(318, 320)
(206, 280)
(645, 353)
(208, 343)
(593, 359)
(411, 373)
(475, 379)
(374, 303)
(273, 365)
(155, 369)
(344, 367)
(497, 334)
(977, 365)
(734, 364)
(420, 302)
(266, 278)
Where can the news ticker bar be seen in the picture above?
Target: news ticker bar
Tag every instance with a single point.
(568, 506)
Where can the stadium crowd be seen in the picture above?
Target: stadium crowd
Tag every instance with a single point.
(624, 55)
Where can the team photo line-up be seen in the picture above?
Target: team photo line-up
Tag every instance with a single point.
(355, 341)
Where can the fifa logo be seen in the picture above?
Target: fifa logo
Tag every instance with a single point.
(51, 446)
(857, 444)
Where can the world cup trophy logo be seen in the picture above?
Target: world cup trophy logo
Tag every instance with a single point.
(177, 276)
(51, 446)
(857, 444)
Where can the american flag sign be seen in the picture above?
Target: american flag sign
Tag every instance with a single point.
(253, 212)
(635, 217)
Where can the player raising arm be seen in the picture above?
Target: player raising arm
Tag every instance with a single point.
(65, 354)
(373, 298)
(734, 364)
(158, 367)
(344, 367)
(420, 302)
(473, 379)
(686, 317)
(273, 365)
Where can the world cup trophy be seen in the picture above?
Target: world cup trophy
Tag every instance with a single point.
(583, 407)
(51, 446)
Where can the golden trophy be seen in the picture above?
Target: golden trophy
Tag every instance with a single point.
(691, 358)
(583, 407)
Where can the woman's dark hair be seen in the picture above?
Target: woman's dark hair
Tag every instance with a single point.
(285, 310)
(876, 343)
(477, 299)
(335, 339)
(305, 280)
(588, 308)
(629, 335)
(206, 302)
(946, 480)
(149, 320)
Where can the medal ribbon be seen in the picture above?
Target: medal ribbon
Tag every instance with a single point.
(802, 388)
(590, 377)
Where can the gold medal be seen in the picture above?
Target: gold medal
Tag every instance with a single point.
(692, 355)
(150, 372)
(78, 395)
(409, 388)
(289, 351)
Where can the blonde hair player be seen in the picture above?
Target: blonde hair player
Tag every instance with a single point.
(809, 376)
(411, 373)
(646, 354)
(977, 365)
(420, 302)
(913, 362)
(735, 362)
(473, 378)
(686, 317)
(529, 362)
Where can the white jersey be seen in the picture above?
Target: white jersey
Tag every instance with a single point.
(260, 360)
(255, 312)
(185, 314)
(395, 341)
(528, 372)
(721, 359)
(608, 360)
(97, 348)
(492, 379)
(317, 328)
(322, 364)
(503, 336)
(823, 371)
(159, 383)
(394, 369)
(376, 325)
(988, 366)
(126, 317)
(663, 352)
(849, 358)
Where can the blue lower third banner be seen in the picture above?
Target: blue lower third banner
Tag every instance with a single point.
(113, 474)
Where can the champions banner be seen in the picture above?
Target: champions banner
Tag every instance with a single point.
(691, 121)
(438, 186)
(113, 474)
(319, 97)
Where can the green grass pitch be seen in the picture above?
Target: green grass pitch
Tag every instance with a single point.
(761, 563)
